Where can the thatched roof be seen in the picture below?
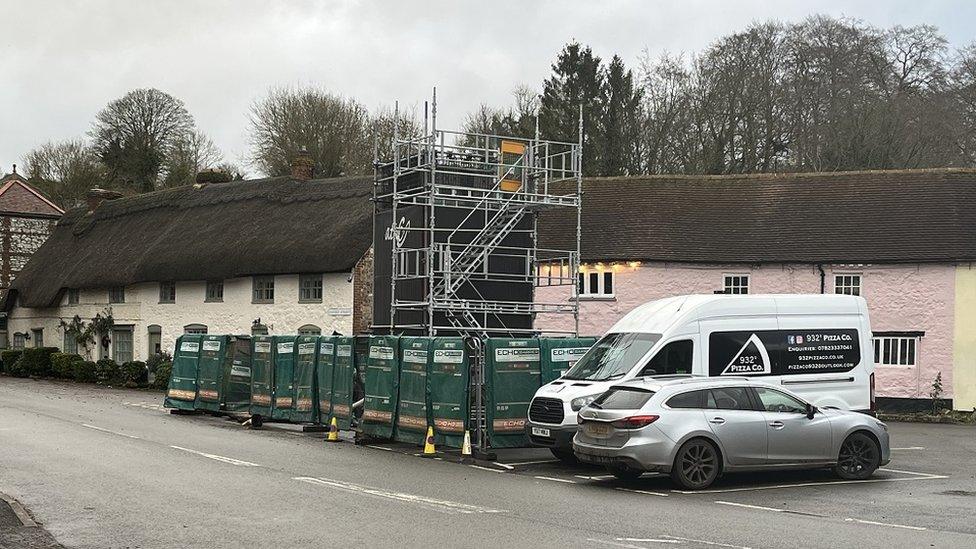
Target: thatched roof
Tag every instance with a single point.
(215, 231)
(896, 216)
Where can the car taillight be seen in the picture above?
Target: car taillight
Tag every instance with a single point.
(873, 405)
(634, 422)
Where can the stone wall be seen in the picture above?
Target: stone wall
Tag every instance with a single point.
(20, 237)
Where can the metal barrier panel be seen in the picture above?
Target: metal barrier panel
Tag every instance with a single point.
(382, 380)
(236, 391)
(559, 354)
(305, 410)
(213, 351)
(345, 370)
(324, 374)
(182, 391)
(262, 375)
(448, 378)
(413, 403)
(284, 387)
(512, 378)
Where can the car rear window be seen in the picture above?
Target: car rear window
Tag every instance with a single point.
(623, 398)
(692, 399)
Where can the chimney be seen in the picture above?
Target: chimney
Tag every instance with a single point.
(94, 197)
(302, 166)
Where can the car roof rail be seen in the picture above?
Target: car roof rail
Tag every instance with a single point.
(670, 376)
(694, 379)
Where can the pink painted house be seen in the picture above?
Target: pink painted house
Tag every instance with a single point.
(905, 240)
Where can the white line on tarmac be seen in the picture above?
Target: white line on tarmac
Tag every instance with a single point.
(649, 540)
(554, 479)
(713, 543)
(509, 467)
(747, 506)
(871, 522)
(485, 468)
(536, 462)
(215, 457)
(927, 475)
(627, 545)
(597, 477)
(803, 484)
(645, 492)
(910, 448)
(443, 506)
(380, 448)
(104, 430)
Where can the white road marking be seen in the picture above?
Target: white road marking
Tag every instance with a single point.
(803, 484)
(509, 467)
(714, 543)
(104, 430)
(926, 475)
(747, 506)
(649, 540)
(910, 448)
(380, 448)
(440, 505)
(215, 457)
(885, 524)
(627, 545)
(536, 462)
(554, 479)
(597, 477)
(485, 468)
(645, 492)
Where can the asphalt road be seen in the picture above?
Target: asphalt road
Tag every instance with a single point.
(109, 468)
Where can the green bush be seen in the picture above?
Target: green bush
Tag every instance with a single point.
(155, 360)
(63, 364)
(37, 361)
(86, 371)
(134, 373)
(163, 371)
(8, 358)
(19, 368)
(108, 371)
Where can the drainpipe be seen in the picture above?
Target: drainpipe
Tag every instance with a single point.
(823, 278)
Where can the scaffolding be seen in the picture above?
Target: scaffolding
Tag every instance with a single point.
(494, 187)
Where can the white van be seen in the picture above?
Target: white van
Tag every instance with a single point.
(818, 346)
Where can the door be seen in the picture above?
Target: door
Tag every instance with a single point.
(792, 437)
(739, 427)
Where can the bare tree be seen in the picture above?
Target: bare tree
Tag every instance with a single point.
(189, 156)
(64, 171)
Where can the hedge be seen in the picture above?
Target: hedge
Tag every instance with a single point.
(63, 364)
(86, 371)
(163, 371)
(108, 371)
(8, 358)
(36, 361)
(134, 373)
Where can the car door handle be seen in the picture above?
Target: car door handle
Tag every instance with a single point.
(776, 424)
(717, 420)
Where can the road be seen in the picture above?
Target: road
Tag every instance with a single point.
(103, 467)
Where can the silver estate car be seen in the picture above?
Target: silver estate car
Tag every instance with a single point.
(696, 428)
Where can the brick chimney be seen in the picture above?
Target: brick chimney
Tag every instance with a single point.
(94, 197)
(302, 166)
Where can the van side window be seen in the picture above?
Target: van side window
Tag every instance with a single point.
(691, 399)
(674, 358)
(728, 398)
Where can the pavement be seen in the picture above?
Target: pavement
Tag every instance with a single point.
(102, 467)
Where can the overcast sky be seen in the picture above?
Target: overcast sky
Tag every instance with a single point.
(60, 62)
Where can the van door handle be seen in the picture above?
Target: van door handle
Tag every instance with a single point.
(776, 424)
(717, 420)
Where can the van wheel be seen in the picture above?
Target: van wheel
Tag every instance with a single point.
(859, 457)
(625, 474)
(696, 465)
(565, 456)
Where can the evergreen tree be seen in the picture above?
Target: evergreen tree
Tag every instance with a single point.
(620, 121)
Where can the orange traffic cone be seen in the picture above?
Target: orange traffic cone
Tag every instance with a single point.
(429, 449)
(333, 432)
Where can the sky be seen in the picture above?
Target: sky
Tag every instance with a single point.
(62, 61)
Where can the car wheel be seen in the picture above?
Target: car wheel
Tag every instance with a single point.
(565, 456)
(859, 457)
(625, 474)
(696, 465)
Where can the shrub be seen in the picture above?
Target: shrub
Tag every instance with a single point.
(134, 373)
(163, 371)
(63, 365)
(8, 358)
(85, 371)
(108, 371)
(37, 361)
(155, 360)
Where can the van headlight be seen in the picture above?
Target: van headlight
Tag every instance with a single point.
(577, 404)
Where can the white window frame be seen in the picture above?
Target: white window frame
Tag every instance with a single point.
(167, 291)
(853, 286)
(20, 341)
(116, 295)
(214, 291)
(260, 286)
(116, 350)
(585, 288)
(307, 288)
(895, 353)
(729, 285)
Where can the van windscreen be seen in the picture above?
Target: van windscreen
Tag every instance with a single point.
(612, 357)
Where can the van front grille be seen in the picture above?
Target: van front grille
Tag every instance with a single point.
(546, 410)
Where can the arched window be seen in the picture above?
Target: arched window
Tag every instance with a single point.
(310, 330)
(195, 329)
